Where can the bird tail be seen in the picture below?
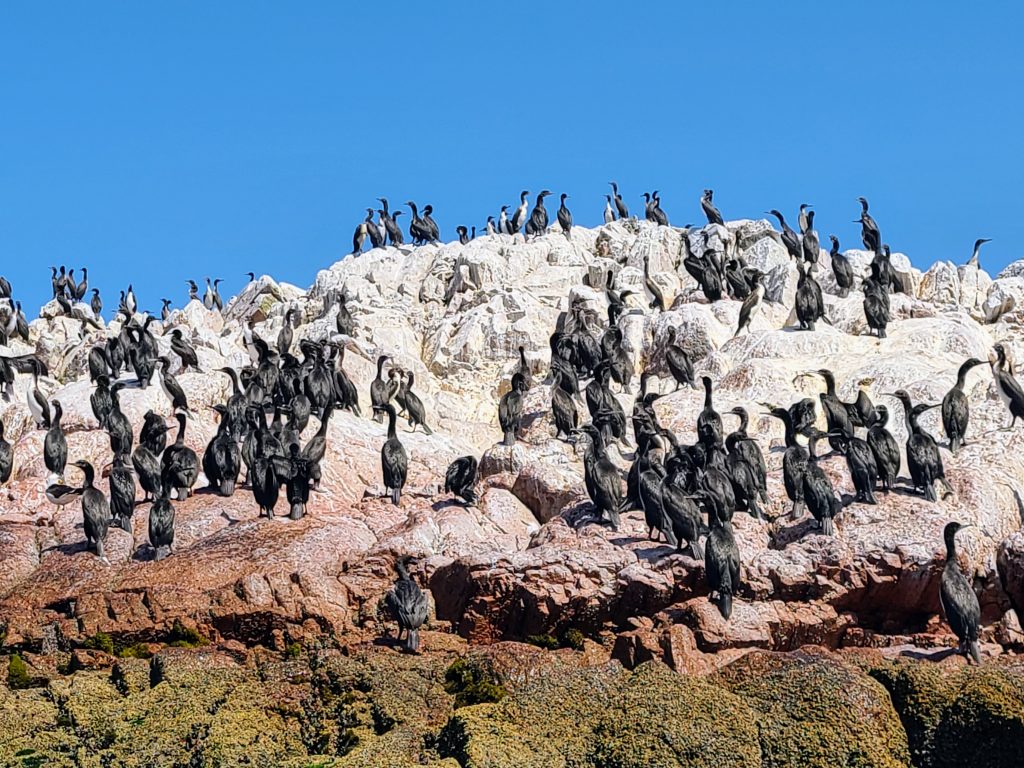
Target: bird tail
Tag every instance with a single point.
(929, 491)
(827, 527)
(412, 641)
(469, 495)
(396, 496)
(298, 510)
(696, 548)
(725, 604)
(427, 429)
(227, 486)
(510, 437)
(125, 524)
(975, 652)
(798, 510)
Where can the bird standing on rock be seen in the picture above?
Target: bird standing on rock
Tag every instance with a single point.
(959, 602)
(408, 605)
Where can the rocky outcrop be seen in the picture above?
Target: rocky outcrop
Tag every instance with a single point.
(528, 560)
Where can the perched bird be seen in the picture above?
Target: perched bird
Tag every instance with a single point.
(959, 602)
(510, 409)
(461, 477)
(408, 605)
(714, 217)
(95, 510)
(955, 409)
(973, 261)
(1009, 388)
(394, 460)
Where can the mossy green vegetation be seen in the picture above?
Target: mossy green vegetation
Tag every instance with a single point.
(470, 684)
(969, 716)
(18, 675)
(185, 637)
(511, 706)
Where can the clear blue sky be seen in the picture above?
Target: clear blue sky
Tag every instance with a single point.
(159, 141)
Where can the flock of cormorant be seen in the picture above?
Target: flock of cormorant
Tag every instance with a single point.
(686, 492)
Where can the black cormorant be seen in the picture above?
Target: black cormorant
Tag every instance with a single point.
(519, 217)
(714, 217)
(819, 495)
(537, 224)
(408, 605)
(510, 409)
(955, 410)
(869, 233)
(840, 268)
(804, 217)
(565, 217)
(1007, 385)
(6, 457)
(883, 446)
(161, 525)
(169, 384)
(37, 404)
(314, 451)
(122, 493)
(790, 239)
(709, 423)
(460, 479)
(393, 458)
(794, 463)
(620, 204)
(563, 408)
(179, 466)
(55, 445)
(379, 391)
(222, 460)
(959, 601)
(96, 303)
(923, 460)
(95, 510)
(601, 477)
(415, 408)
(810, 243)
(722, 565)
(810, 305)
(678, 361)
(147, 469)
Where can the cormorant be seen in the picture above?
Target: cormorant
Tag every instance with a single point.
(393, 458)
(650, 479)
(284, 338)
(658, 216)
(955, 410)
(265, 484)
(973, 261)
(96, 303)
(314, 451)
(923, 459)
(153, 434)
(6, 457)
(860, 460)
(601, 477)
(55, 445)
(510, 409)
(491, 230)
(678, 361)
(840, 268)
(620, 204)
(810, 244)
(959, 602)
(524, 367)
(117, 425)
(804, 217)
(810, 305)
(876, 302)
(179, 466)
(429, 225)
(819, 495)
(794, 463)
(883, 446)
(122, 493)
(379, 391)
(460, 479)
(37, 404)
(504, 225)
(1009, 388)
(161, 525)
(185, 351)
(60, 494)
(537, 224)
(790, 239)
(222, 460)
(722, 564)
(408, 605)
(295, 471)
(95, 510)
(414, 407)
(359, 237)
(563, 408)
(147, 469)
(714, 217)
(169, 384)
(751, 303)
(609, 212)
(519, 217)
(709, 423)
(129, 300)
(869, 233)
(565, 218)
(837, 414)
(750, 451)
